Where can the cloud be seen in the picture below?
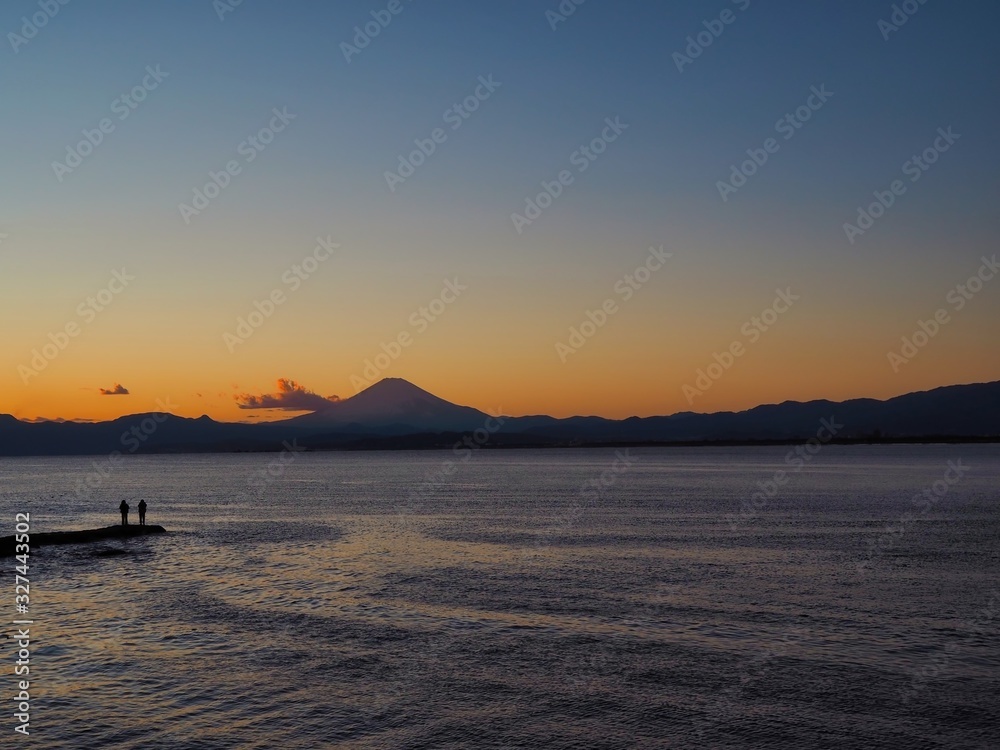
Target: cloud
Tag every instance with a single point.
(118, 390)
(290, 397)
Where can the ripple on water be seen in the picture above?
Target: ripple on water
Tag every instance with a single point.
(323, 618)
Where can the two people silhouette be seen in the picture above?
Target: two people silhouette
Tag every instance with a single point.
(124, 508)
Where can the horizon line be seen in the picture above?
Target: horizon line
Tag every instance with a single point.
(334, 405)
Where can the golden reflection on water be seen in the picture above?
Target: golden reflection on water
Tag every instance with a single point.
(349, 624)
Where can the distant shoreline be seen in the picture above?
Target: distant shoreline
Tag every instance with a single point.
(448, 441)
(394, 414)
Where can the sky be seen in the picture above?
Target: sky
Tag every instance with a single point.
(626, 208)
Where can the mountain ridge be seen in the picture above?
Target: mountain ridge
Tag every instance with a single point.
(395, 412)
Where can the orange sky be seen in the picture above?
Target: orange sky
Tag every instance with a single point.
(244, 182)
(483, 349)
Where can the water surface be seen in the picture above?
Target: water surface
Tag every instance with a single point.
(391, 600)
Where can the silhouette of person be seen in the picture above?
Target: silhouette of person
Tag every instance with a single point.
(142, 512)
(124, 509)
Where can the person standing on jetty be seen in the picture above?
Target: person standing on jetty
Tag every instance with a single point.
(124, 509)
(142, 512)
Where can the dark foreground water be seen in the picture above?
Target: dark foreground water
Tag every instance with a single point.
(375, 600)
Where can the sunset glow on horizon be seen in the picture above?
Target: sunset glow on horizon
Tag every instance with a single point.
(535, 373)
(786, 217)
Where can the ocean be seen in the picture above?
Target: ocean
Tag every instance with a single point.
(573, 598)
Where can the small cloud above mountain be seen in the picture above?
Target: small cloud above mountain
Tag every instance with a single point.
(118, 390)
(290, 397)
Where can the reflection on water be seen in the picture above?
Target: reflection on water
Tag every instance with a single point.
(507, 607)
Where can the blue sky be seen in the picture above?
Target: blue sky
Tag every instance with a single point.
(656, 185)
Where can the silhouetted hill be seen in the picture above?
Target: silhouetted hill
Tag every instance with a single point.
(392, 406)
(965, 410)
(394, 414)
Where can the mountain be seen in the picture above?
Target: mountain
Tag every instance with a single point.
(396, 414)
(953, 411)
(392, 406)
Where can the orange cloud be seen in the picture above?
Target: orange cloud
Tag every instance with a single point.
(290, 397)
(118, 390)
